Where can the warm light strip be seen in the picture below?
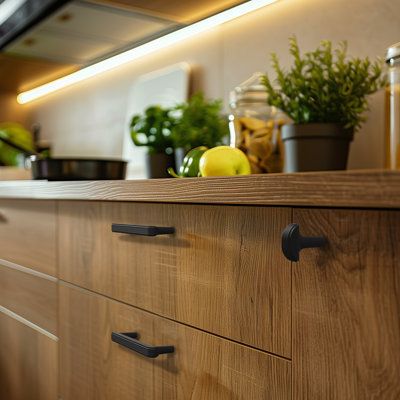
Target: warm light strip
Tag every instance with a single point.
(143, 50)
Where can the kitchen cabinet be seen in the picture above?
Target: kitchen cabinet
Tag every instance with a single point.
(244, 322)
(203, 366)
(28, 361)
(28, 234)
(32, 297)
(216, 272)
(28, 300)
(346, 306)
(41, 41)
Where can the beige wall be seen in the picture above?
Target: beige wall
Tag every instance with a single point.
(88, 119)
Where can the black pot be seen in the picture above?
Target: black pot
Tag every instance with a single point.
(67, 169)
(157, 165)
(315, 147)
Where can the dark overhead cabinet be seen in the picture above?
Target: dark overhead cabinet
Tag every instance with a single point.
(20, 15)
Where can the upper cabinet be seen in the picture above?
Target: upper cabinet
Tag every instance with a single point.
(42, 42)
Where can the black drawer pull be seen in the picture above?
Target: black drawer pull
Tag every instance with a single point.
(293, 242)
(142, 230)
(130, 340)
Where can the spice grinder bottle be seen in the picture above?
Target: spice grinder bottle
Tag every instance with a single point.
(392, 94)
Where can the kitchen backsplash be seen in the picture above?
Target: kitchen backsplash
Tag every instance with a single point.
(88, 119)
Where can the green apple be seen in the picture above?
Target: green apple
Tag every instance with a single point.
(224, 161)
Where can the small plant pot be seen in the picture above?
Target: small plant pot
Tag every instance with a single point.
(157, 165)
(315, 147)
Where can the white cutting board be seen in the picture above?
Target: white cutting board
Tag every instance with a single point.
(165, 87)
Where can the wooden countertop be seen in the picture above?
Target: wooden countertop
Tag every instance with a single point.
(363, 188)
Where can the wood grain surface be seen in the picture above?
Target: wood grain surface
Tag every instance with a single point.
(32, 297)
(28, 234)
(24, 73)
(202, 367)
(375, 188)
(222, 271)
(346, 307)
(28, 362)
(14, 173)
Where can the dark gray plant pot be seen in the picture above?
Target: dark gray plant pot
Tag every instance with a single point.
(315, 147)
(157, 165)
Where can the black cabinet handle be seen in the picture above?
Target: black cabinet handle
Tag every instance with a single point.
(293, 242)
(130, 340)
(142, 230)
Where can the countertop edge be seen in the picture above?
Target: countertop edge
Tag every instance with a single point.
(358, 189)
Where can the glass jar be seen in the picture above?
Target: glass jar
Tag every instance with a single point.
(255, 126)
(392, 109)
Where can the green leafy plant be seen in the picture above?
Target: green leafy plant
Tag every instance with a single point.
(199, 123)
(154, 130)
(17, 134)
(324, 86)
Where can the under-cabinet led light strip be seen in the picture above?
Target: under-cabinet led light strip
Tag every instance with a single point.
(143, 50)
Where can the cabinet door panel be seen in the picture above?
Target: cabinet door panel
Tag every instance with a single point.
(28, 234)
(202, 367)
(28, 362)
(346, 306)
(30, 296)
(222, 270)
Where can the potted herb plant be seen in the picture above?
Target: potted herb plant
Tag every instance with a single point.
(154, 130)
(325, 94)
(169, 133)
(199, 123)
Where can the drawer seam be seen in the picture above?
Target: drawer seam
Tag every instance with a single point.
(30, 324)
(26, 270)
(69, 284)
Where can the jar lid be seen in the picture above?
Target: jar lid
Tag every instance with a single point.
(251, 90)
(393, 52)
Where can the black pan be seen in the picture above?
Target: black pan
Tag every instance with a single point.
(71, 169)
(77, 169)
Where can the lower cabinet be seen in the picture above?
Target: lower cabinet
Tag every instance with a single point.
(28, 361)
(28, 234)
(346, 306)
(28, 334)
(29, 296)
(209, 297)
(219, 258)
(202, 366)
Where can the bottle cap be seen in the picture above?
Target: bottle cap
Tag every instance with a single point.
(393, 52)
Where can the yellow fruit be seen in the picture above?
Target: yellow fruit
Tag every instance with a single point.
(224, 161)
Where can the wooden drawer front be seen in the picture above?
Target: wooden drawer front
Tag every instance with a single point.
(203, 366)
(28, 234)
(31, 296)
(28, 362)
(222, 271)
(346, 306)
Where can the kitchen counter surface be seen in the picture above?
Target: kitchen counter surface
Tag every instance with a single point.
(363, 188)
